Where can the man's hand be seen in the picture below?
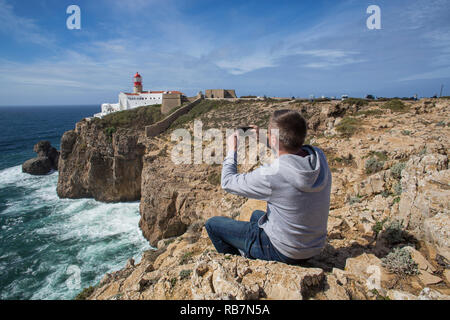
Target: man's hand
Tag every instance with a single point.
(256, 129)
(232, 142)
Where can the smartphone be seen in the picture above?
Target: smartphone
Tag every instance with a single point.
(244, 128)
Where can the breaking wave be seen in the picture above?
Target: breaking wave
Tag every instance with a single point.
(52, 248)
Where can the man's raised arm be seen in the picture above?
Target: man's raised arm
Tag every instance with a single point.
(253, 185)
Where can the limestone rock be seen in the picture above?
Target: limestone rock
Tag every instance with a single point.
(447, 275)
(177, 199)
(209, 276)
(37, 166)
(335, 289)
(249, 207)
(431, 294)
(428, 279)
(67, 142)
(218, 277)
(95, 165)
(369, 268)
(425, 184)
(418, 258)
(340, 275)
(334, 227)
(437, 231)
(185, 197)
(401, 295)
(45, 149)
(45, 162)
(164, 242)
(374, 184)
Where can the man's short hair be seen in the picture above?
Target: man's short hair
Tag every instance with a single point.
(292, 129)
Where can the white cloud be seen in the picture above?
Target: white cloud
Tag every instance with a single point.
(174, 51)
(319, 58)
(21, 29)
(442, 73)
(136, 5)
(421, 14)
(177, 55)
(246, 64)
(330, 54)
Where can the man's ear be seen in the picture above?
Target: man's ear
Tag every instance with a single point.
(274, 141)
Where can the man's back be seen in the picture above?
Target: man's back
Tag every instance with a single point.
(298, 196)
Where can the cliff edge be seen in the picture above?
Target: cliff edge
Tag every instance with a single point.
(102, 158)
(388, 228)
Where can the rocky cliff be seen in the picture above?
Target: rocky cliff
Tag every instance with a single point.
(176, 196)
(46, 160)
(389, 222)
(102, 158)
(95, 165)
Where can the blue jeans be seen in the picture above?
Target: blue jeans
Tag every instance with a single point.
(230, 236)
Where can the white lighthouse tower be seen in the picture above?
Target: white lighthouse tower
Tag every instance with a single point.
(137, 83)
(138, 98)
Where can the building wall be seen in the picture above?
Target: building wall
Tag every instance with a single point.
(191, 99)
(127, 101)
(220, 93)
(170, 101)
(161, 126)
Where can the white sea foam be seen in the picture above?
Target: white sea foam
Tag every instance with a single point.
(96, 237)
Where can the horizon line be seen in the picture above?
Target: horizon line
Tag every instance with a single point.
(285, 97)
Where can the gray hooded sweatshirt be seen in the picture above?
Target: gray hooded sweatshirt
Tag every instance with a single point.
(297, 190)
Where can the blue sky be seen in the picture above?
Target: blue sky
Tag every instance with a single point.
(274, 48)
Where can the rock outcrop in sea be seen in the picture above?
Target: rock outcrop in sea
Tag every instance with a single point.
(389, 223)
(46, 160)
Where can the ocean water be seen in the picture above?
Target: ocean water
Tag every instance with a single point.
(52, 248)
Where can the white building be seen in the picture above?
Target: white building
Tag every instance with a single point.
(136, 99)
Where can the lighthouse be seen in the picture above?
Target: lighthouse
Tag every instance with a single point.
(137, 83)
(139, 98)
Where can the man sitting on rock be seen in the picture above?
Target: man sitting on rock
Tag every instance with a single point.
(294, 228)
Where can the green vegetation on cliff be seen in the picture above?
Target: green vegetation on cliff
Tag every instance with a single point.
(399, 261)
(395, 106)
(348, 126)
(222, 114)
(135, 118)
(197, 111)
(371, 112)
(85, 293)
(373, 165)
(356, 101)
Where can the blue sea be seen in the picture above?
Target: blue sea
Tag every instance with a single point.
(52, 248)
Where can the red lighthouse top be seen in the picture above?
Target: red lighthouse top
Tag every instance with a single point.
(137, 79)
